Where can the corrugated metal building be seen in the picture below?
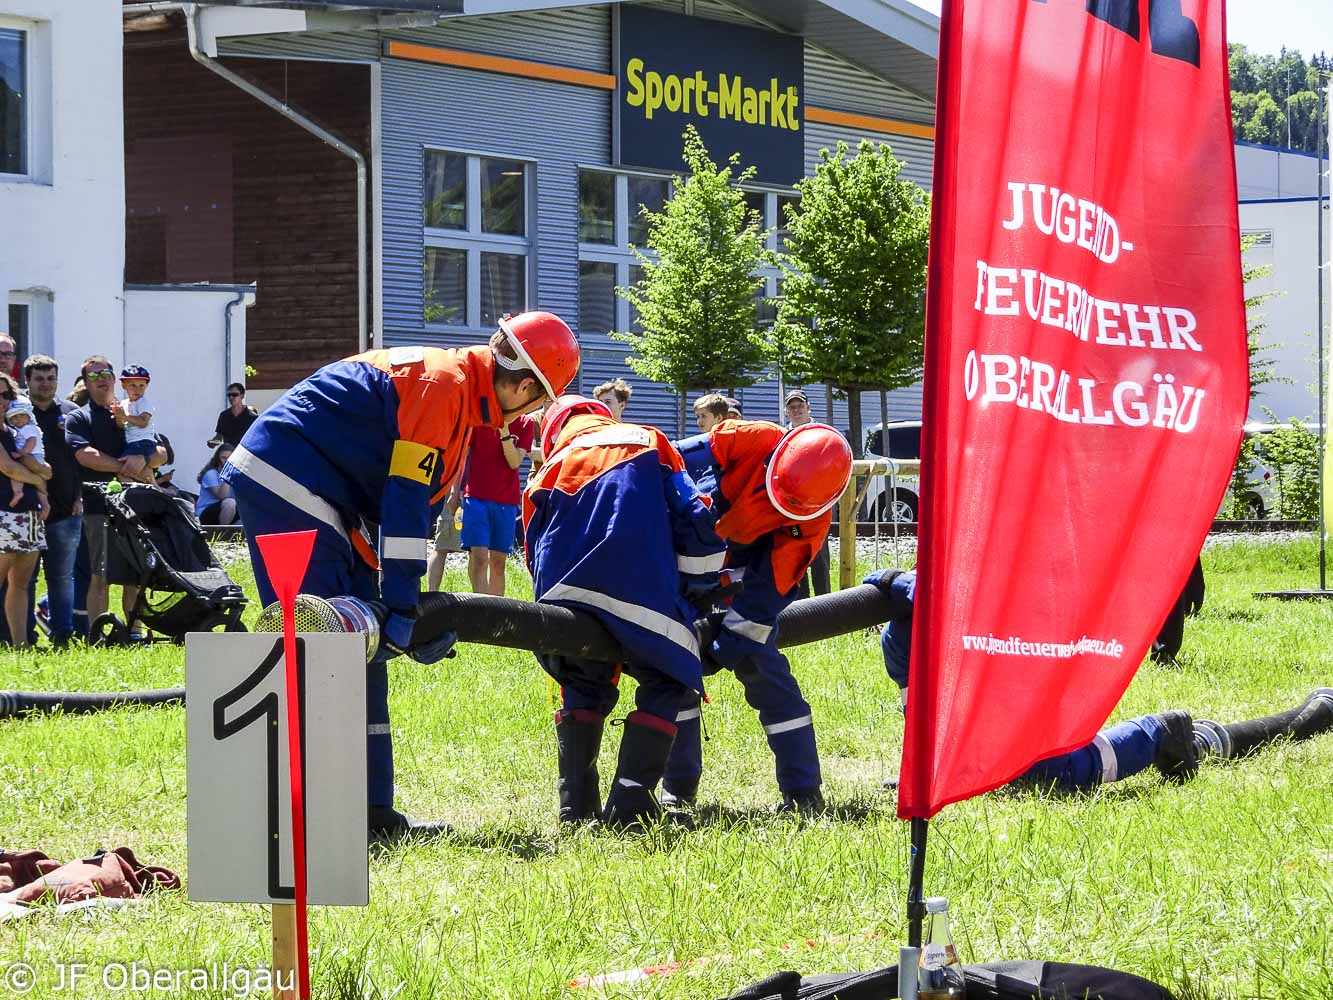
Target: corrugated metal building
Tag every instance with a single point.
(495, 184)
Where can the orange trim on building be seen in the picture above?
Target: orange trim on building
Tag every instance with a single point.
(868, 122)
(497, 64)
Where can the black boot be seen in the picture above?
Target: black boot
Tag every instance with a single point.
(644, 749)
(387, 823)
(1178, 755)
(811, 801)
(578, 738)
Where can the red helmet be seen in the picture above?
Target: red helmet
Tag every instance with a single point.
(809, 470)
(564, 408)
(545, 343)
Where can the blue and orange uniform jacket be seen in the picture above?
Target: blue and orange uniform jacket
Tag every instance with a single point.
(610, 522)
(768, 551)
(374, 441)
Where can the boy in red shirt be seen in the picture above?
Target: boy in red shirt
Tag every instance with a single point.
(490, 501)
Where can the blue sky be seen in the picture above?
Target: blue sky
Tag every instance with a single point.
(1265, 25)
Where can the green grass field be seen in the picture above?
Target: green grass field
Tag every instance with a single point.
(1221, 888)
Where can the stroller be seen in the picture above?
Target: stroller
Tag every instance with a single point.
(155, 543)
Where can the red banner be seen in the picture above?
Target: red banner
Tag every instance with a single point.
(1087, 375)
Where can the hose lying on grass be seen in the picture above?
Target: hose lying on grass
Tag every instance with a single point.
(539, 628)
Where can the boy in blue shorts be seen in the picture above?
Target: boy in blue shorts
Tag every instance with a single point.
(490, 500)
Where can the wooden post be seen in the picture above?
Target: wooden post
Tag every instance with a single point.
(284, 951)
(847, 536)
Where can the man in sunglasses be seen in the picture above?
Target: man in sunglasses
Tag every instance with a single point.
(235, 420)
(98, 445)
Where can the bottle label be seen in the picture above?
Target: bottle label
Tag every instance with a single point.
(934, 956)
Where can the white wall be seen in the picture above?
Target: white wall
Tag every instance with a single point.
(1263, 172)
(178, 333)
(62, 233)
(1292, 316)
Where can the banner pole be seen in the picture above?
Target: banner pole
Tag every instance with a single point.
(1322, 379)
(916, 899)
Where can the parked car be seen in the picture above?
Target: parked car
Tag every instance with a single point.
(904, 442)
(1259, 499)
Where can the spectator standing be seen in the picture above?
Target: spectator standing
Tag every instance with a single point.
(615, 394)
(448, 537)
(215, 505)
(797, 405)
(491, 497)
(98, 445)
(710, 410)
(9, 358)
(734, 409)
(64, 521)
(235, 420)
(22, 536)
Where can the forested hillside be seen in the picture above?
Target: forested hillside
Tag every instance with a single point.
(1275, 99)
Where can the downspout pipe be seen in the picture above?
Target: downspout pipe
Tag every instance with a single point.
(226, 340)
(191, 12)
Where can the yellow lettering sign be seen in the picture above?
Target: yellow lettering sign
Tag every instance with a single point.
(771, 104)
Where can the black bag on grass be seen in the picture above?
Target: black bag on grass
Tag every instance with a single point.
(993, 981)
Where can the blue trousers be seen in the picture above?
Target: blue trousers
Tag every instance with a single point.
(591, 686)
(772, 691)
(1124, 749)
(335, 571)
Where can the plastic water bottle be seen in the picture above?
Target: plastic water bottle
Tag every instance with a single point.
(941, 977)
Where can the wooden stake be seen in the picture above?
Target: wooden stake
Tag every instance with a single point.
(284, 951)
(847, 536)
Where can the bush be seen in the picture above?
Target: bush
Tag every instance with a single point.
(1293, 452)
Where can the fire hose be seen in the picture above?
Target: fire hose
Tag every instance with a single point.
(538, 628)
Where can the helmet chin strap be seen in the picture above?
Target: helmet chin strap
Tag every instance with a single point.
(528, 407)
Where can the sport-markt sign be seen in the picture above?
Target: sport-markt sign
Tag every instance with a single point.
(1086, 370)
(742, 88)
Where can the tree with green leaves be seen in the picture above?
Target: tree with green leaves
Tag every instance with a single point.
(853, 304)
(696, 300)
(1276, 100)
(1241, 498)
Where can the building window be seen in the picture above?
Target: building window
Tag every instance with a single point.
(597, 207)
(610, 223)
(446, 287)
(20, 329)
(503, 201)
(645, 194)
(780, 220)
(502, 286)
(446, 191)
(478, 253)
(14, 104)
(597, 296)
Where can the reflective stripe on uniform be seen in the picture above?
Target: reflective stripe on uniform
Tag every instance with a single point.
(734, 622)
(688, 714)
(789, 725)
(401, 547)
(628, 783)
(1110, 766)
(377, 729)
(701, 564)
(624, 435)
(635, 614)
(282, 485)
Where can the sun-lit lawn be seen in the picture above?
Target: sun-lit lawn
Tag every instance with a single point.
(1225, 884)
